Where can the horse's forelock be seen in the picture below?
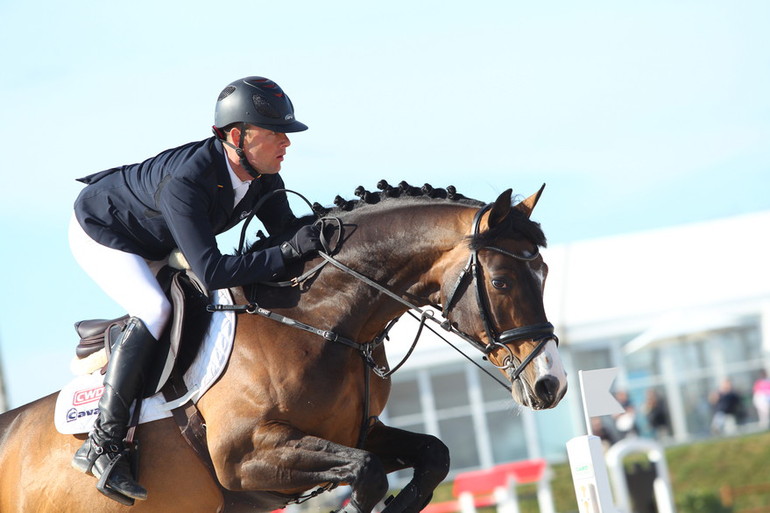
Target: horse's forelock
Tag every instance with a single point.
(517, 226)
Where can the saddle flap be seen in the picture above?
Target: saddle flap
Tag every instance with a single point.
(98, 334)
(188, 322)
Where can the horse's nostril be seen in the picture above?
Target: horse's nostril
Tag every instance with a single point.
(547, 389)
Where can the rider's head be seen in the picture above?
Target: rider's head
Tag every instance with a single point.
(260, 102)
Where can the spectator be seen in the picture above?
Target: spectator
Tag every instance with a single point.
(598, 428)
(656, 413)
(625, 423)
(728, 409)
(761, 399)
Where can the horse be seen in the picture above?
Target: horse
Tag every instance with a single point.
(295, 411)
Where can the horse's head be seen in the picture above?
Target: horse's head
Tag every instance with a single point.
(492, 292)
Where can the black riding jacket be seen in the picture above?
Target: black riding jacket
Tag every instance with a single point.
(182, 198)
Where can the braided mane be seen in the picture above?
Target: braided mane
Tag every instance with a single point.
(395, 196)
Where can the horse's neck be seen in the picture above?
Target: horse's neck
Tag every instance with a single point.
(399, 248)
(400, 244)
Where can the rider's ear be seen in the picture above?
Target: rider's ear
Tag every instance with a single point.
(235, 134)
(528, 205)
(501, 209)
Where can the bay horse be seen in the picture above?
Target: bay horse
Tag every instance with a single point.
(294, 411)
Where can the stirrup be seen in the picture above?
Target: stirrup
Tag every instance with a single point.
(103, 487)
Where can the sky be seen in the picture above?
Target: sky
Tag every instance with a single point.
(637, 116)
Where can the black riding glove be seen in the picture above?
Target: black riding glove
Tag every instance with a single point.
(306, 241)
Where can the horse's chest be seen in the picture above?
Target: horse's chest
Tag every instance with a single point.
(335, 408)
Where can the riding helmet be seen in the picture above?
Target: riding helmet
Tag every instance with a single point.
(258, 101)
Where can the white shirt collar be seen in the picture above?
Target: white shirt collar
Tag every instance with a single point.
(240, 187)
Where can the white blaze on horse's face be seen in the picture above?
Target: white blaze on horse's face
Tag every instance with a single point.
(544, 383)
(496, 302)
(546, 367)
(546, 379)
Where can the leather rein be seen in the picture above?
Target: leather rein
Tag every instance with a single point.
(542, 332)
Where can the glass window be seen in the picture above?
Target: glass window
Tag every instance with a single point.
(554, 429)
(743, 385)
(506, 433)
(491, 390)
(642, 364)
(693, 352)
(450, 389)
(739, 344)
(592, 359)
(404, 398)
(695, 395)
(458, 434)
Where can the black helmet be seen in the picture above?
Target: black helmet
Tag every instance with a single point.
(258, 101)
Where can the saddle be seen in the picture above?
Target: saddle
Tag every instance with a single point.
(177, 347)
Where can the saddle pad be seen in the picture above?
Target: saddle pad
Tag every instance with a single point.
(77, 405)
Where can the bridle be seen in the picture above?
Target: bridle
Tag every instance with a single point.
(542, 332)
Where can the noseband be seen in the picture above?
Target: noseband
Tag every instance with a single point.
(542, 332)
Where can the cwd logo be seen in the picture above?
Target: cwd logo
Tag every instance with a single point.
(87, 396)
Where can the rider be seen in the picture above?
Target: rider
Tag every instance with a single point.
(131, 215)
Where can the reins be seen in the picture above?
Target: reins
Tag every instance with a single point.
(542, 332)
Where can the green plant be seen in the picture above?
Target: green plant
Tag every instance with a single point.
(701, 501)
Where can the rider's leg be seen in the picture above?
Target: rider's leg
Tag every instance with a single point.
(125, 277)
(128, 280)
(123, 382)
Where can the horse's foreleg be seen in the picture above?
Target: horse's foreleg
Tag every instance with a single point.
(399, 449)
(281, 458)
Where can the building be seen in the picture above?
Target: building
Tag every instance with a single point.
(677, 310)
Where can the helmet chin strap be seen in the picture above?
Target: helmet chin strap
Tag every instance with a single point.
(238, 149)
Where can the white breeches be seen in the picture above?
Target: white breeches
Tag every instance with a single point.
(125, 277)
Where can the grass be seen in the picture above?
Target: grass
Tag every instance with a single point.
(698, 472)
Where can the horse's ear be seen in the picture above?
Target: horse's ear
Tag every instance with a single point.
(528, 205)
(501, 209)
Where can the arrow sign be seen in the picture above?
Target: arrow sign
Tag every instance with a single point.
(597, 398)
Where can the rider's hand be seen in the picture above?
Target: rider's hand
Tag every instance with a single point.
(305, 242)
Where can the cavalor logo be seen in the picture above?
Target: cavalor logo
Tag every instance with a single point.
(87, 396)
(73, 414)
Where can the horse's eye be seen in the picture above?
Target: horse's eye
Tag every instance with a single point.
(499, 283)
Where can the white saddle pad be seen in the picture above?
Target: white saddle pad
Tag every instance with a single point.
(77, 405)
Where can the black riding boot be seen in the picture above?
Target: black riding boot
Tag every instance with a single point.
(104, 451)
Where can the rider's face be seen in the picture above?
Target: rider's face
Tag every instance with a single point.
(265, 149)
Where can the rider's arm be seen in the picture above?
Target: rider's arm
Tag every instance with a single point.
(184, 205)
(275, 214)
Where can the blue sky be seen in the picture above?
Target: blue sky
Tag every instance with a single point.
(637, 115)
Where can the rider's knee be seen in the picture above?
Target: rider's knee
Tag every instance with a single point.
(157, 315)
